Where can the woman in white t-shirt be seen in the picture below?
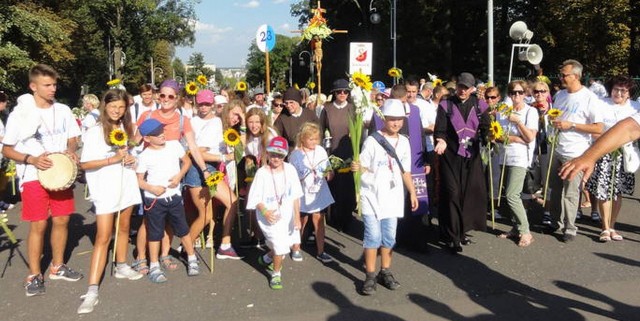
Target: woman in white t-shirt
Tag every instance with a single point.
(520, 127)
(619, 107)
(113, 187)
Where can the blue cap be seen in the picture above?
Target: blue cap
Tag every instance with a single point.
(379, 85)
(151, 127)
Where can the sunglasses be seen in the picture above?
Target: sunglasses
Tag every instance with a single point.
(170, 97)
(516, 92)
(491, 97)
(342, 91)
(541, 91)
(281, 105)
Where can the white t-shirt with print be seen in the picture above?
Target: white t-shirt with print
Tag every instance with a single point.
(382, 190)
(112, 187)
(254, 144)
(428, 112)
(520, 155)
(56, 126)
(161, 165)
(310, 167)
(581, 107)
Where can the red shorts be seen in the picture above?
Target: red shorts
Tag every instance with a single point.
(37, 202)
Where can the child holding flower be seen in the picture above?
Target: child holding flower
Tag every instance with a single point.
(113, 187)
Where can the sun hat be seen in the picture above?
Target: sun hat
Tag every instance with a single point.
(278, 145)
(340, 84)
(205, 96)
(219, 99)
(393, 108)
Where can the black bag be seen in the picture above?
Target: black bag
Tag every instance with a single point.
(532, 180)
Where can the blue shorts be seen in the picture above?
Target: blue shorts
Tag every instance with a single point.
(194, 177)
(159, 210)
(379, 232)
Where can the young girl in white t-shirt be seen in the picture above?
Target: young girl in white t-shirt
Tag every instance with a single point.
(311, 161)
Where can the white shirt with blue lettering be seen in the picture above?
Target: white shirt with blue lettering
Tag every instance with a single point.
(581, 107)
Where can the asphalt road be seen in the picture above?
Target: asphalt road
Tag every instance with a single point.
(492, 279)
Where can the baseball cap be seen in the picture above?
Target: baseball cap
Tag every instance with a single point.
(204, 97)
(278, 145)
(466, 79)
(219, 99)
(151, 127)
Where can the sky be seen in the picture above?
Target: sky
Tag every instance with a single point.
(225, 28)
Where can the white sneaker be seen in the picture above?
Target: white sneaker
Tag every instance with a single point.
(127, 272)
(90, 301)
(209, 243)
(197, 244)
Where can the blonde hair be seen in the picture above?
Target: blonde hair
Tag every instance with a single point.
(307, 130)
(227, 109)
(91, 99)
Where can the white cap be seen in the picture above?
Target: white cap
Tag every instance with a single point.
(393, 108)
(219, 99)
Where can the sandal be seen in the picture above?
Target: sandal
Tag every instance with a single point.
(525, 240)
(156, 275)
(615, 236)
(168, 263)
(605, 236)
(140, 266)
(508, 235)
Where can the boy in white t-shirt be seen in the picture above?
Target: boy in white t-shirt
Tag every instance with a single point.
(159, 174)
(37, 127)
(382, 194)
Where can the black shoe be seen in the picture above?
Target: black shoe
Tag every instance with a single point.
(454, 247)
(369, 286)
(568, 238)
(387, 280)
(466, 241)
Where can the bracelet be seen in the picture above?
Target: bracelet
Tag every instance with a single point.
(26, 158)
(108, 160)
(263, 211)
(206, 170)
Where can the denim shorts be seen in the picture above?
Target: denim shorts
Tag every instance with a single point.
(159, 210)
(379, 232)
(194, 177)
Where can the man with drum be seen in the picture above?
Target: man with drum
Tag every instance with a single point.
(41, 137)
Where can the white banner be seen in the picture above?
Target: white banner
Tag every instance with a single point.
(360, 57)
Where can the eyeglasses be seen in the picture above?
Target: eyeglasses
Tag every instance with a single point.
(516, 92)
(281, 105)
(170, 97)
(562, 76)
(342, 91)
(620, 90)
(541, 91)
(491, 97)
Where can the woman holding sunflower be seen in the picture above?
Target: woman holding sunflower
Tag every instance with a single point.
(521, 125)
(113, 188)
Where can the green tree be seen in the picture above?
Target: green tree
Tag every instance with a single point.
(197, 67)
(279, 63)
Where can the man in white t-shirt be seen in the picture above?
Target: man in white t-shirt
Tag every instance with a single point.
(581, 116)
(37, 127)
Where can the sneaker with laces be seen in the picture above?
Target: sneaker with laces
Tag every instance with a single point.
(63, 272)
(90, 300)
(595, 216)
(385, 277)
(126, 272)
(369, 286)
(546, 219)
(34, 285)
(275, 282)
(193, 268)
(324, 257)
(229, 253)
(296, 256)
(197, 243)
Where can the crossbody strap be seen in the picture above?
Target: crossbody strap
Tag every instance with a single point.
(388, 148)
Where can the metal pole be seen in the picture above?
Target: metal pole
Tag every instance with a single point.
(393, 34)
(290, 72)
(153, 76)
(513, 47)
(490, 41)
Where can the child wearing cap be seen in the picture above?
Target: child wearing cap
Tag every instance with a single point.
(160, 164)
(382, 193)
(275, 195)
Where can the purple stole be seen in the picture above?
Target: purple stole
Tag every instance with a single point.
(466, 130)
(416, 141)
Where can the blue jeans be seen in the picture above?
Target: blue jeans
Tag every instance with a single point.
(379, 232)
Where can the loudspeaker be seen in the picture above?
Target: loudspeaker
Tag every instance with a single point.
(533, 54)
(519, 31)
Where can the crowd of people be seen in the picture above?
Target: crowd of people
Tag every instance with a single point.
(432, 150)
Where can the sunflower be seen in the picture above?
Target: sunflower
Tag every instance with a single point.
(231, 137)
(202, 79)
(554, 113)
(114, 82)
(118, 137)
(395, 72)
(361, 80)
(344, 170)
(495, 130)
(437, 82)
(191, 88)
(241, 86)
(248, 179)
(311, 85)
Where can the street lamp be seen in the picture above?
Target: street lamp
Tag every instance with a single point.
(311, 63)
(160, 72)
(375, 19)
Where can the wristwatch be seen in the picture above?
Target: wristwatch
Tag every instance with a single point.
(573, 126)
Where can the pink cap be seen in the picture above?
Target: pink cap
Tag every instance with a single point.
(204, 96)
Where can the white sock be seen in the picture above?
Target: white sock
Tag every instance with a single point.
(154, 265)
(225, 246)
(192, 258)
